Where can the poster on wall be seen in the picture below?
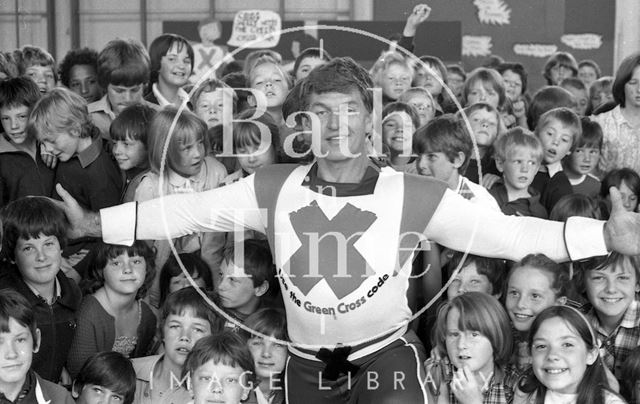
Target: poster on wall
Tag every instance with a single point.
(582, 41)
(494, 12)
(476, 46)
(256, 29)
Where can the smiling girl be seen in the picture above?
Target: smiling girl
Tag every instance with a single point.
(113, 317)
(566, 366)
(171, 65)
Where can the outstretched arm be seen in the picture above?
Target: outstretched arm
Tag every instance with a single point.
(464, 226)
(230, 208)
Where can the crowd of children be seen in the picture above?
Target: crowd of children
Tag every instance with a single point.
(137, 324)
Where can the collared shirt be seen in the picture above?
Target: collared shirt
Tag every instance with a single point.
(24, 391)
(498, 390)
(144, 368)
(615, 347)
(163, 102)
(91, 153)
(554, 168)
(101, 115)
(56, 291)
(621, 146)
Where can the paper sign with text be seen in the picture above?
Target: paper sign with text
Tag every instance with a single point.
(534, 49)
(476, 45)
(251, 25)
(582, 41)
(494, 12)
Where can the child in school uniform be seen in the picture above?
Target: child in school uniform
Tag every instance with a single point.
(580, 93)
(85, 168)
(129, 134)
(79, 73)
(185, 318)
(559, 131)
(580, 166)
(34, 235)
(486, 125)
(269, 79)
(392, 73)
(113, 316)
(22, 169)
(171, 58)
(444, 148)
(268, 342)
(123, 72)
(220, 369)
(245, 282)
(38, 65)
(20, 338)
(518, 155)
(188, 169)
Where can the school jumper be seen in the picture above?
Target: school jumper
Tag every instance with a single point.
(552, 185)
(93, 178)
(37, 390)
(530, 206)
(22, 175)
(379, 222)
(586, 185)
(57, 321)
(96, 332)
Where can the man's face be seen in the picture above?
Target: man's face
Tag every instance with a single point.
(344, 123)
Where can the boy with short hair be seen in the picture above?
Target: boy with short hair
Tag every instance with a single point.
(22, 170)
(86, 169)
(580, 165)
(123, 71)
(34, 235)
(444, 148)
(38, 64)
(220, 369)
(185, 318)
(518, 155)
(580, 92)
(244, 280)
(19, 340)
(558, 130)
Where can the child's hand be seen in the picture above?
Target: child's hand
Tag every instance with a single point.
(465, 387)
(519, 109)
(508, 120)
(49, 159)
(419, 15)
